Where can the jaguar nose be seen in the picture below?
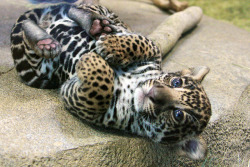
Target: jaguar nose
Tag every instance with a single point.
(160, 94)
(151, 95)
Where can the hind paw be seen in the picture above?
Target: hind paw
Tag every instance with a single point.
(101, 27)
(48, 48)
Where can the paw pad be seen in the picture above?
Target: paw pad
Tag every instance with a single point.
(100, 27)
(48, 48)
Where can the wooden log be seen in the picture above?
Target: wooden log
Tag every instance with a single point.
(170, 30)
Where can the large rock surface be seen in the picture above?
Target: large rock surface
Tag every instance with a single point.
(36, 130)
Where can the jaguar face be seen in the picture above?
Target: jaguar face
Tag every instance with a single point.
(175, 105)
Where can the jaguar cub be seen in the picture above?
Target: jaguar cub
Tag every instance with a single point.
(110, 76)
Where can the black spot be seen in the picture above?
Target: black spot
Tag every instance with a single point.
(66, 40)
(76, 97)
(24, 65)
(84, 35)
(21, 18)
(72, 46)
(141, 49)
(16, 40)
(95, 84)
(134, 47)
(82, 98)
(85, 89)
(71, 101)
(89, 102)
(70, 64)
(128, 49)
(58, 17)
(115, 114)
(17, 28)
(17, 53)
(76, 51)
(100, 103)
(79, 104)
(142, 44)
(99, 78)
(92, 94)
(99, 97)
(104, 87)
(29, 76)
(81, 114)
(107, 80)
(62, 27)
(33, 18)
(62, 57)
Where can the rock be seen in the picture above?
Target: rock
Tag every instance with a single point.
(36, 130)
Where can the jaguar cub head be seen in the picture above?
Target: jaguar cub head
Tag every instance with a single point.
(175, 109)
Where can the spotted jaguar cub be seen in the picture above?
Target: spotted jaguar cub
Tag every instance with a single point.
(110, 76)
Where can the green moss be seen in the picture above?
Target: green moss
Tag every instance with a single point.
(233, 11)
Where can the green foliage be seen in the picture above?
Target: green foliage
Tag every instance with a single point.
(236, 12)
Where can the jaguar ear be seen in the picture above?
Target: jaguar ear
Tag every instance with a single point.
(194, 148)
(197, 73)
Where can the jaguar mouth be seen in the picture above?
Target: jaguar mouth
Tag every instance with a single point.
(142, 97)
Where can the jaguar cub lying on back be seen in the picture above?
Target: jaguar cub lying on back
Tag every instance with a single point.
(110, 76)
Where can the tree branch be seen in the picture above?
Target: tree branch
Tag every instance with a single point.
(170, 30)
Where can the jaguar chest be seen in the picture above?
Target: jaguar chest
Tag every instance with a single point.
(121, 113)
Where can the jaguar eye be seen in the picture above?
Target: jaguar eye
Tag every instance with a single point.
(176, 82)
(178, 115)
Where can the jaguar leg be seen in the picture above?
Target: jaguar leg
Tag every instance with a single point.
(94, 24)
(30, 48)
(122, 50)
(89, 93)
(40, 41)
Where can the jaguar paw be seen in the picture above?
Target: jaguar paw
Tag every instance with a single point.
(48, 48)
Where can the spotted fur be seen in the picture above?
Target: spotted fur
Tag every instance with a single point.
(113, 81)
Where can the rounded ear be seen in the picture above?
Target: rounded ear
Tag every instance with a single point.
(195, 148)
(197, 73)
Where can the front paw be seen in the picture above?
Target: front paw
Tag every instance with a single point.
(112, 49)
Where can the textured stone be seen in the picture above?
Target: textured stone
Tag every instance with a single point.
(36, 130)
